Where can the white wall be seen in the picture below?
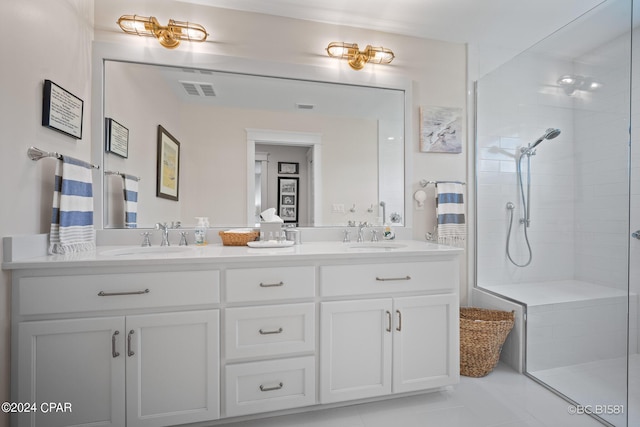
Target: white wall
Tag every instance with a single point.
(56, 46)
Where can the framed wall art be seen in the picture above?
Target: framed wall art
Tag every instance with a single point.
(440, 130)
(61, 110)
(288, 199)
(117, 138)
(285, 168)
(168, 165)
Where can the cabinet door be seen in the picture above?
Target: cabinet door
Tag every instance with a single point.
(355, 349)
(172, 368)
(425, 342)
(77, 362)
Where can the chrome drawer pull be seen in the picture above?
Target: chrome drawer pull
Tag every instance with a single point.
(113, 294)
(399, 327)
(278, 331)
(114, 353)
(386, 279)
(277, 387)
(129, 351)
(388, 328)
(271, 285)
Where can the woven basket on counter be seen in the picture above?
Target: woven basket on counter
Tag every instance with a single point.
(237, 239)
(482, 334)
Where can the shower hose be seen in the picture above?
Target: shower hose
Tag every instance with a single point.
(525, 221)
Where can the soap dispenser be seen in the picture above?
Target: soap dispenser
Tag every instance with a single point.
(200, 231)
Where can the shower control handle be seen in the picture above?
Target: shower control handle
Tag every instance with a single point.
(636, 234)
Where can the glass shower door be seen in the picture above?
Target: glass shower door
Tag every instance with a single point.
(553, 207)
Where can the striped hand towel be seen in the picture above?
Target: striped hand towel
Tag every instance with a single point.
(72, 217)
(452, 229)
(130, 189)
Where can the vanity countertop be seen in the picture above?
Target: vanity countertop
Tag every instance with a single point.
(105, 256)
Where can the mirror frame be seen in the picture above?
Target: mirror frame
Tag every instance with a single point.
(103, 51)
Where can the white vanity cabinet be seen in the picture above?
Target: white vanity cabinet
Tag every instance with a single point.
(230, 332)
(129, 369)
(382, 342)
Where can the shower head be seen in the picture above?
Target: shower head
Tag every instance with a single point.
(530, 149)
(548, 134)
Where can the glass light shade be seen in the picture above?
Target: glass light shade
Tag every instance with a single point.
(379, 55)
(342, 50)
(139, 25)
(188, 31)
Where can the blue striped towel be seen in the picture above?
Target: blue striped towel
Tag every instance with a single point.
(452, 229)
(130, 189)
(72, 217)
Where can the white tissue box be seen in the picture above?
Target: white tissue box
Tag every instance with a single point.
(270, 227)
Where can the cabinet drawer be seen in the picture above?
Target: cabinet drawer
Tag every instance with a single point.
(270, 385)
(363, 279)
(81, 293)
(265, 284)
(269, 330)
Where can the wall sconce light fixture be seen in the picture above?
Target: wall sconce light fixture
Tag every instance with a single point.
(356, 57)
(169, 36)
(571, 83)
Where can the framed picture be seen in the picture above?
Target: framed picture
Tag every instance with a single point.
(168, 165)
(288, 199)
(117, 138)
(288, 168)
(61, 110)
(440, 130)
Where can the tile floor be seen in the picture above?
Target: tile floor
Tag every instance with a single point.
(601, 382)
(504, 398)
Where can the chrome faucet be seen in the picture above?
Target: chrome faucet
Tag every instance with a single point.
(164, 227)
(165, 233)
(361, 227)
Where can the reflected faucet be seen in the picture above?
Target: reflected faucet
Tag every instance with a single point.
(384, 212)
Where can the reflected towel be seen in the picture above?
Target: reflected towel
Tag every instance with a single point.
(130, 189)
(452, 229)
(72, 214)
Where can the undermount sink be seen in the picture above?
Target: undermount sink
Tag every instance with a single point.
(383, 246)
(147, 250)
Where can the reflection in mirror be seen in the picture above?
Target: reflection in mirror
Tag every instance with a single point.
(360, 132)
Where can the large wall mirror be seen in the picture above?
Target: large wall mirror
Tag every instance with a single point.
(321, 154)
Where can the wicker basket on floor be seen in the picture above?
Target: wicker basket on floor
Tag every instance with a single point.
(482, 334)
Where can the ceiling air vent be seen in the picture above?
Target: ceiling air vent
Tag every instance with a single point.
(305, 106)
(198, 89)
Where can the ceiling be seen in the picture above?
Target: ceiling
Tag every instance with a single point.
(513, 24)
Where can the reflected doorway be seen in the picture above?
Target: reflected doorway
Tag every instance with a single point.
(275, 155)
(284, 161)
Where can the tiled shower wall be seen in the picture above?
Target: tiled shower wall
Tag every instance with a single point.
(516, 104)
(579, 202)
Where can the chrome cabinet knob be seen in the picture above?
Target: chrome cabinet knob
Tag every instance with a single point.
(636, 234)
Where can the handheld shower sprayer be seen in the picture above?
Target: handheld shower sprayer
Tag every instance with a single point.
(548, 134)
(527, 152)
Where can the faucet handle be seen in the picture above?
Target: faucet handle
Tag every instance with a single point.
(146, 240)
(374, 235)
(347, 236)
(183, 238)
